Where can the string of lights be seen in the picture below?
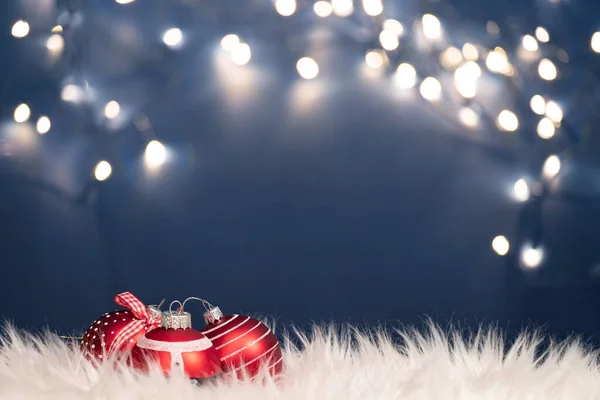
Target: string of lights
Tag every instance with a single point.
(483, 84)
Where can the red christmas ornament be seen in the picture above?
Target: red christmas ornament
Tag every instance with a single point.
(117, 332)
(243, 343)
(177, 345)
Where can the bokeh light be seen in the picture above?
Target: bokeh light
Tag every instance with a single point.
(551, 167)
(374, 59)
(431, 89)
(241, 54)
(468, 117)
(470, 52)
(542, 34)
(529, 43)
(173, 37)
(393, 25)
(342, 8)
(112, 109)
(389, 40)
(508, 121)
(285, 7)
(521, 190)
(497, 61)
(595, 42)
(43, 125)
(538, 104)
(155, 155)
(372, 8)
(547, 70)
(307, 68)
(451, 58)
(22, 113)
(501, 245)
(406, 76)
(432, 28)
(554, 112)
(531, 257)
(546, 128)
(20, 29)
(102, 171)
(229, 42)
(323, 8)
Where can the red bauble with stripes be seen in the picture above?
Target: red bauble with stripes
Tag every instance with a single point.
(176, 345)
(243, 344)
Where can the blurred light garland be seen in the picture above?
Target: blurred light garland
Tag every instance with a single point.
(416, 54)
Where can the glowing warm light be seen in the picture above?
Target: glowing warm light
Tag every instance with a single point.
(393, 25)
(470, 52)
(389, 40)
(467, 89)
(554, 112)
(372, 7)
(43, 125)
(342, 8)
(501, 245)
(595, 42)
(406, 76)
(20, 29)
(229, 42)
(538, 104)
(531, 257)
(497, 61)
(546, 128)
(547, 70)
(431, 89)
(155, 154)
(542, 35)
(72, 94)
(241, 54)
(451, 58)
(468, 117)
(124, 1)
(102, 171)
(492, 28)
(529, 43)
(432, 28)
(22, 113)
(173, 37)
(307, 68)
(285, 7)
(465, 79)
(551, 167)
(323, 8)
(521, 190)
(508, 121)
(57, 29)
(112, 109)
(374, 59)
(55, 44)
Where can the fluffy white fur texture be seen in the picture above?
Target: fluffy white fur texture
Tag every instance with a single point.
(328, 363)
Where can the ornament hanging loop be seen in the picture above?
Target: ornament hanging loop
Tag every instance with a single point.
(178, 309)
(205, 303)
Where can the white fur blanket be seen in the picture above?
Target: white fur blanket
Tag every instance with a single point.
(323, 365)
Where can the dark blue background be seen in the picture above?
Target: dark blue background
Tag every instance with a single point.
(365, 207)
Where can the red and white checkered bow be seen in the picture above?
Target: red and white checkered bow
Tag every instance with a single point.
(145, 320)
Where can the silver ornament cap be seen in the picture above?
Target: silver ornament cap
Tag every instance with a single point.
(212, 315)
(155, 312)
(176, 320)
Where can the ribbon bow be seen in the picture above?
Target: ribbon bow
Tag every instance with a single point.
(144, 321)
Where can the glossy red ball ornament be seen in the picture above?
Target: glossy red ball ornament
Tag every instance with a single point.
(243, 344)
(116, 332)
(176, 345)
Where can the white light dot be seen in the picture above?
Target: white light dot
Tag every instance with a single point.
(538, 104)
(389, 40)
(372, 7)
(554, 112)
(431, 89)
(545, 128)
(551, 167)
(468, 117)
(508, 121)
(285, 7)
(542, 35)
(432, 28)
(342, 8)
(521, 190)
(72, 94)
(102, 171)
(492, 28)
(531, 257)
(451, 58)
(529, 43)
(497, 61)
(595, 42)
(465, 79)
(173, 37)
(470, 52)
(241, 54)
(374, 59)
(393, 25)
(547, 70)
(112, 109)
(20, 29)
(501, 245)
(307, 68)
(57, 29)
(229, 42)
(406, 76)
(323, 8)
(43, 125)
(124, 1)
(55, 43)
(22, 113)
(155, 154)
